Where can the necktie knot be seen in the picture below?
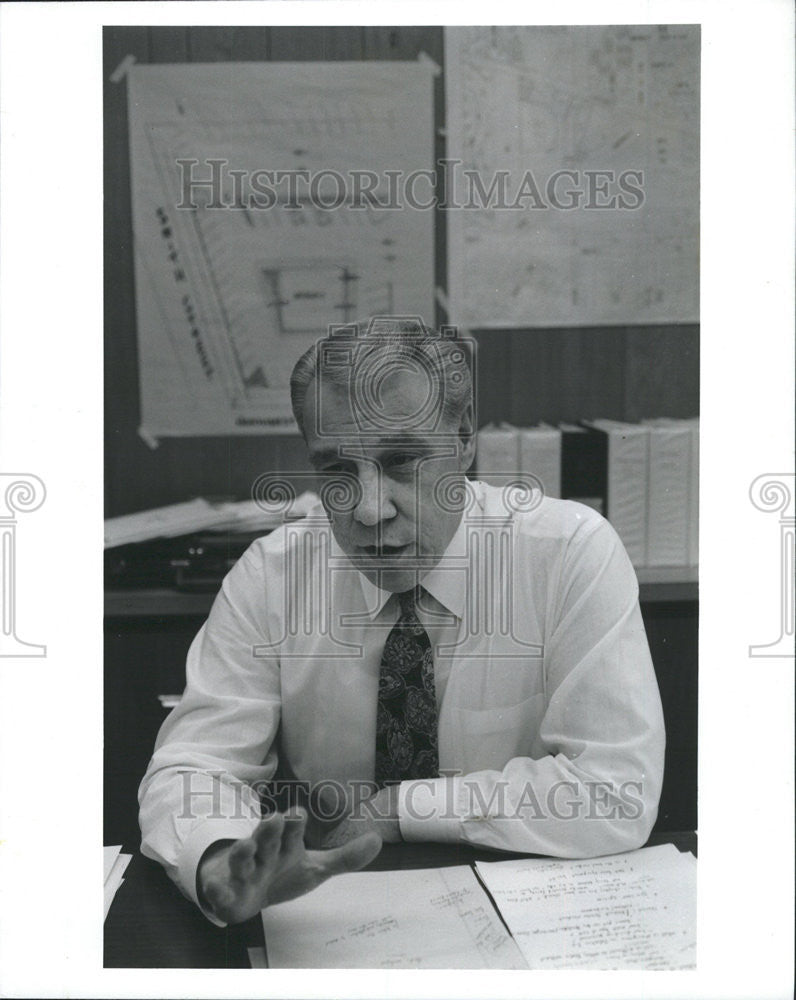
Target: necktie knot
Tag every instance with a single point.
(408, 601)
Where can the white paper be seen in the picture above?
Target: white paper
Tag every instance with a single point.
(232, 287)
(257, 958)
(169, 700)
(628, 911)
(200, 515)
(162, 522)
(109, 855)
(433, 918)
(114, 879)
(253, 515)
(536, 101)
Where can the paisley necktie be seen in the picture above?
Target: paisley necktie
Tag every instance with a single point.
(406, 715)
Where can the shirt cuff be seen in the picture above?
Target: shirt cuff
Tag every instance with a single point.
(195, 845)
(428, 810)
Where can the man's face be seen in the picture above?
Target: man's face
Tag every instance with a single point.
(396, 528)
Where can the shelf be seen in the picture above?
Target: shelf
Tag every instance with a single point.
(161, 603)
(668, 583)
(667, 574)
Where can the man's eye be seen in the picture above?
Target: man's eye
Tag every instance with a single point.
(400, 459)
(337, 469)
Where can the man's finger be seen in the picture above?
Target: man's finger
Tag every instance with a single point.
(218, 897)
(268, 838)
(349, 857)
(241, 858)
(293, 834)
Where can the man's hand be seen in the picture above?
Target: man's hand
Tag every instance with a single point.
(237, 879)
(377, 814)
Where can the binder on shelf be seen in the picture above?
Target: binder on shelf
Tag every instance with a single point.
(583, 470)
(693, 493)
(644, 477)
(540, 455)
(497, 453)
(669, 513)
(625, 450)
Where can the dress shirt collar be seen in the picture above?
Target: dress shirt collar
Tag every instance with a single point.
(446, 584)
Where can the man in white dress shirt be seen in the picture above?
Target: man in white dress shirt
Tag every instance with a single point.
(433, 658)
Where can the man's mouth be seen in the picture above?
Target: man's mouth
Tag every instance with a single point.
(383, 550)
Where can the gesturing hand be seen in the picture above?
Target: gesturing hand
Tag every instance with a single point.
(237, 879)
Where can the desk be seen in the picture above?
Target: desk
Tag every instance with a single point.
(151, 925)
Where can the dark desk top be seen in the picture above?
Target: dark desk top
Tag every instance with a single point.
(151, 925)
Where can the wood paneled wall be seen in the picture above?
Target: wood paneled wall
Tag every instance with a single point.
(524, 375)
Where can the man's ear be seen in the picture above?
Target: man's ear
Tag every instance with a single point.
(466, 438)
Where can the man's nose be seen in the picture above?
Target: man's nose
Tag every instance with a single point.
(374, 503)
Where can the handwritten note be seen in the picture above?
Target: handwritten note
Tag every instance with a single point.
(433, 918)
(627, 911)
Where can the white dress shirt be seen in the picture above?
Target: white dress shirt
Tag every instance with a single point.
(550, 726)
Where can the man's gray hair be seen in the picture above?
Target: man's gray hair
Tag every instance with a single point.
(381, 345)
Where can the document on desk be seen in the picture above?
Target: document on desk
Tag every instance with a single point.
(628, 911)
(432, 918)
(114, 866)
(201, 515)
(163, 522)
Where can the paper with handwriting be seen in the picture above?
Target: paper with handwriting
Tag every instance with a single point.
(627, 911)
(432, 918)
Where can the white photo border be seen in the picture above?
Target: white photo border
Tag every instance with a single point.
(51, 415)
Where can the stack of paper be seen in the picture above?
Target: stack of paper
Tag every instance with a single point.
(254, 515)
(162, 522)
(114, 865)
(200, 515)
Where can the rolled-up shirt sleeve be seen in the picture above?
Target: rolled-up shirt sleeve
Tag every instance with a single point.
(217, 746)
(592, 781)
